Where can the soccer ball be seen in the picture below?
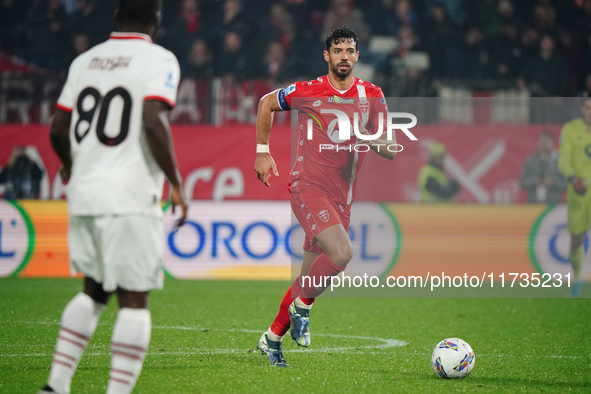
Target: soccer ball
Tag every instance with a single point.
(453, 358)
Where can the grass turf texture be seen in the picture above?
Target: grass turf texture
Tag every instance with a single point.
(205, 334)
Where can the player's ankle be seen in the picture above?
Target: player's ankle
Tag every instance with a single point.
(305, 303)
(274, 337)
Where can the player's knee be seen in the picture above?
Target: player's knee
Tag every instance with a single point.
(342, 255)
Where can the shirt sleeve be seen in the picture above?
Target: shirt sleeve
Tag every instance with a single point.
(162, 79)
(284, 95)
(66, 100)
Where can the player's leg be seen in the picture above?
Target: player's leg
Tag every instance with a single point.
(130, 340)
(281, 323)
(576, 257)
(78, 323)
(335, 243)
(338, 249)
(270, 342)
(133, 252)
(579, 220)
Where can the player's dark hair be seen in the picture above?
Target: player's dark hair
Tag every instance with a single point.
(141, 12)
(339, 35)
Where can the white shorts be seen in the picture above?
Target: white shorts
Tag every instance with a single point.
(118, 251)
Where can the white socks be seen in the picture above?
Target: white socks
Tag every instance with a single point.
(272, 336)
(79, 320)
(129, 343)
(300, 304)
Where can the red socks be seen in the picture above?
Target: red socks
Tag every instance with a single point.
(281, 323)
(320, 273)
(318, 279)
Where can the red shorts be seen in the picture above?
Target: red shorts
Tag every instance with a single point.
(316, 212)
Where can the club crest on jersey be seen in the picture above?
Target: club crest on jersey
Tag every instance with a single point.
(323, 215)
(363, 105)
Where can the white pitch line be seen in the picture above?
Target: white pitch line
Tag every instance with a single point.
(382, 344)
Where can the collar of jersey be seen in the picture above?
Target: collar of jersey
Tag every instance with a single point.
(341, 91)
(117, 35)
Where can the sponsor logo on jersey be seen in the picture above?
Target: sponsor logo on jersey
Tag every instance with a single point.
(323, 215)
(338, 100)
(317, 103)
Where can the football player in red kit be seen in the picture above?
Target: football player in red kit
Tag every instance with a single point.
(323, 176)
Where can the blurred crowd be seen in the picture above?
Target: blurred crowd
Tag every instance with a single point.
(540, 45)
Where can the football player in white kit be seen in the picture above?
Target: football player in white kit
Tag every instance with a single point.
(113, 138)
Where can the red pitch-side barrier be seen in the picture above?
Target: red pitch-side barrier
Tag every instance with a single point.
(218, 162)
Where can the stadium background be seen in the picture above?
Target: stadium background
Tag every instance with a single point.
(474, 69)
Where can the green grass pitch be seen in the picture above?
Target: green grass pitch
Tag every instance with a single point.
(205, 334)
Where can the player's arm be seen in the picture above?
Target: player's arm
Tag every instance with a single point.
(379, 145)
(60, 140)
(160, 143)
(565, 164)
(264, 162)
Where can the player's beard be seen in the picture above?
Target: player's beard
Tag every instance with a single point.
(341, 74)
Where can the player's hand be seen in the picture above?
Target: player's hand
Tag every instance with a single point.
(263, 166)
(580, 185)
(178, 198)
(362, 130)
(65, 173)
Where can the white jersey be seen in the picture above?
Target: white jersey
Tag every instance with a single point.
(113, 170)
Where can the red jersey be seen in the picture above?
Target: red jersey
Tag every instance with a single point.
(322, 159)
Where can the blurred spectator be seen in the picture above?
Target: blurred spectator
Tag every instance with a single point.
(540, 176)
(187, 26)
(544, 17)
(234, 59)
(46, 31)
(487, 16)
(89, 19)
(21, 176)
(200, 61)
(583, 17)
(455, 8)
(341, 13)
(79, 43)
(12, 26)
(439, 37)
(506, 53)
(399, 13)
(467, 57)
(233, 18)
(545, 74)
(530, 43)
(278, 68)
(270, 27)
(434, 184)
